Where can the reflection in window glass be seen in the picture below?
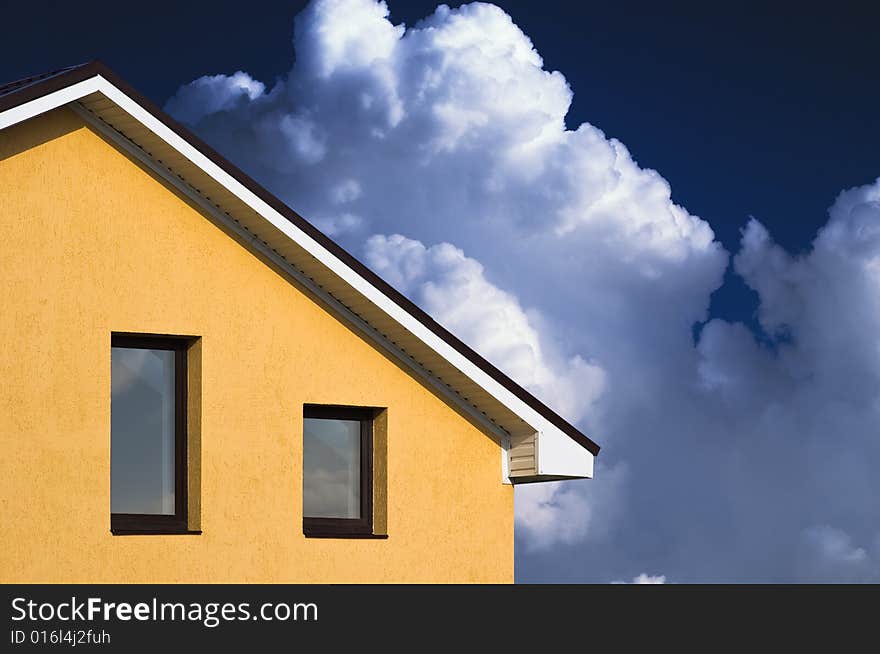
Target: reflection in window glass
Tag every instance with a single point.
(331, 468)
(142, 431)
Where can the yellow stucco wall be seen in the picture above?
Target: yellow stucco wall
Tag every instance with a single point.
(90, 243)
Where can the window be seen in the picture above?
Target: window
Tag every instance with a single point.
(148, 480)
(337, 471)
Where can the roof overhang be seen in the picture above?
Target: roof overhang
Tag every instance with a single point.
(537, 444)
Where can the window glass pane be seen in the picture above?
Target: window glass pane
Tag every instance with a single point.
(331, 468)
(142, 431)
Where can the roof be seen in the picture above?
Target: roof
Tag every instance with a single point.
(18, 84)
(96, 91)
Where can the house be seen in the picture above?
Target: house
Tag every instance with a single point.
(199, 386)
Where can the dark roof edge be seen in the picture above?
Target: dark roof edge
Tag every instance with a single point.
(19, 84)
(82, 72)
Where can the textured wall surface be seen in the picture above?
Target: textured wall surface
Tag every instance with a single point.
(92, 244)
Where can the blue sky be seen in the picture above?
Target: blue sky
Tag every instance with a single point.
(727, 365)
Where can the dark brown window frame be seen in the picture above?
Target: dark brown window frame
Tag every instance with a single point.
(348, 527)
(145, 523)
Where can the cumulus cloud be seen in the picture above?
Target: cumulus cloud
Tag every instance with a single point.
(214, 93)
(827, 554)
(561, 512)
(439, 152)
(834, 545)
(644, 579)
(810, 403)
(448, 284)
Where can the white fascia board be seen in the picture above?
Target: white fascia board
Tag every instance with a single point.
(559, 455)
(48, 102)
(386, 304)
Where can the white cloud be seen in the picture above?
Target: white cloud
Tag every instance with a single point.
(559, 258)
(644, 579)
(649, 579)
(834, 545)
(453, 287)
(213, 93)
(570, 512)
(828, 554)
